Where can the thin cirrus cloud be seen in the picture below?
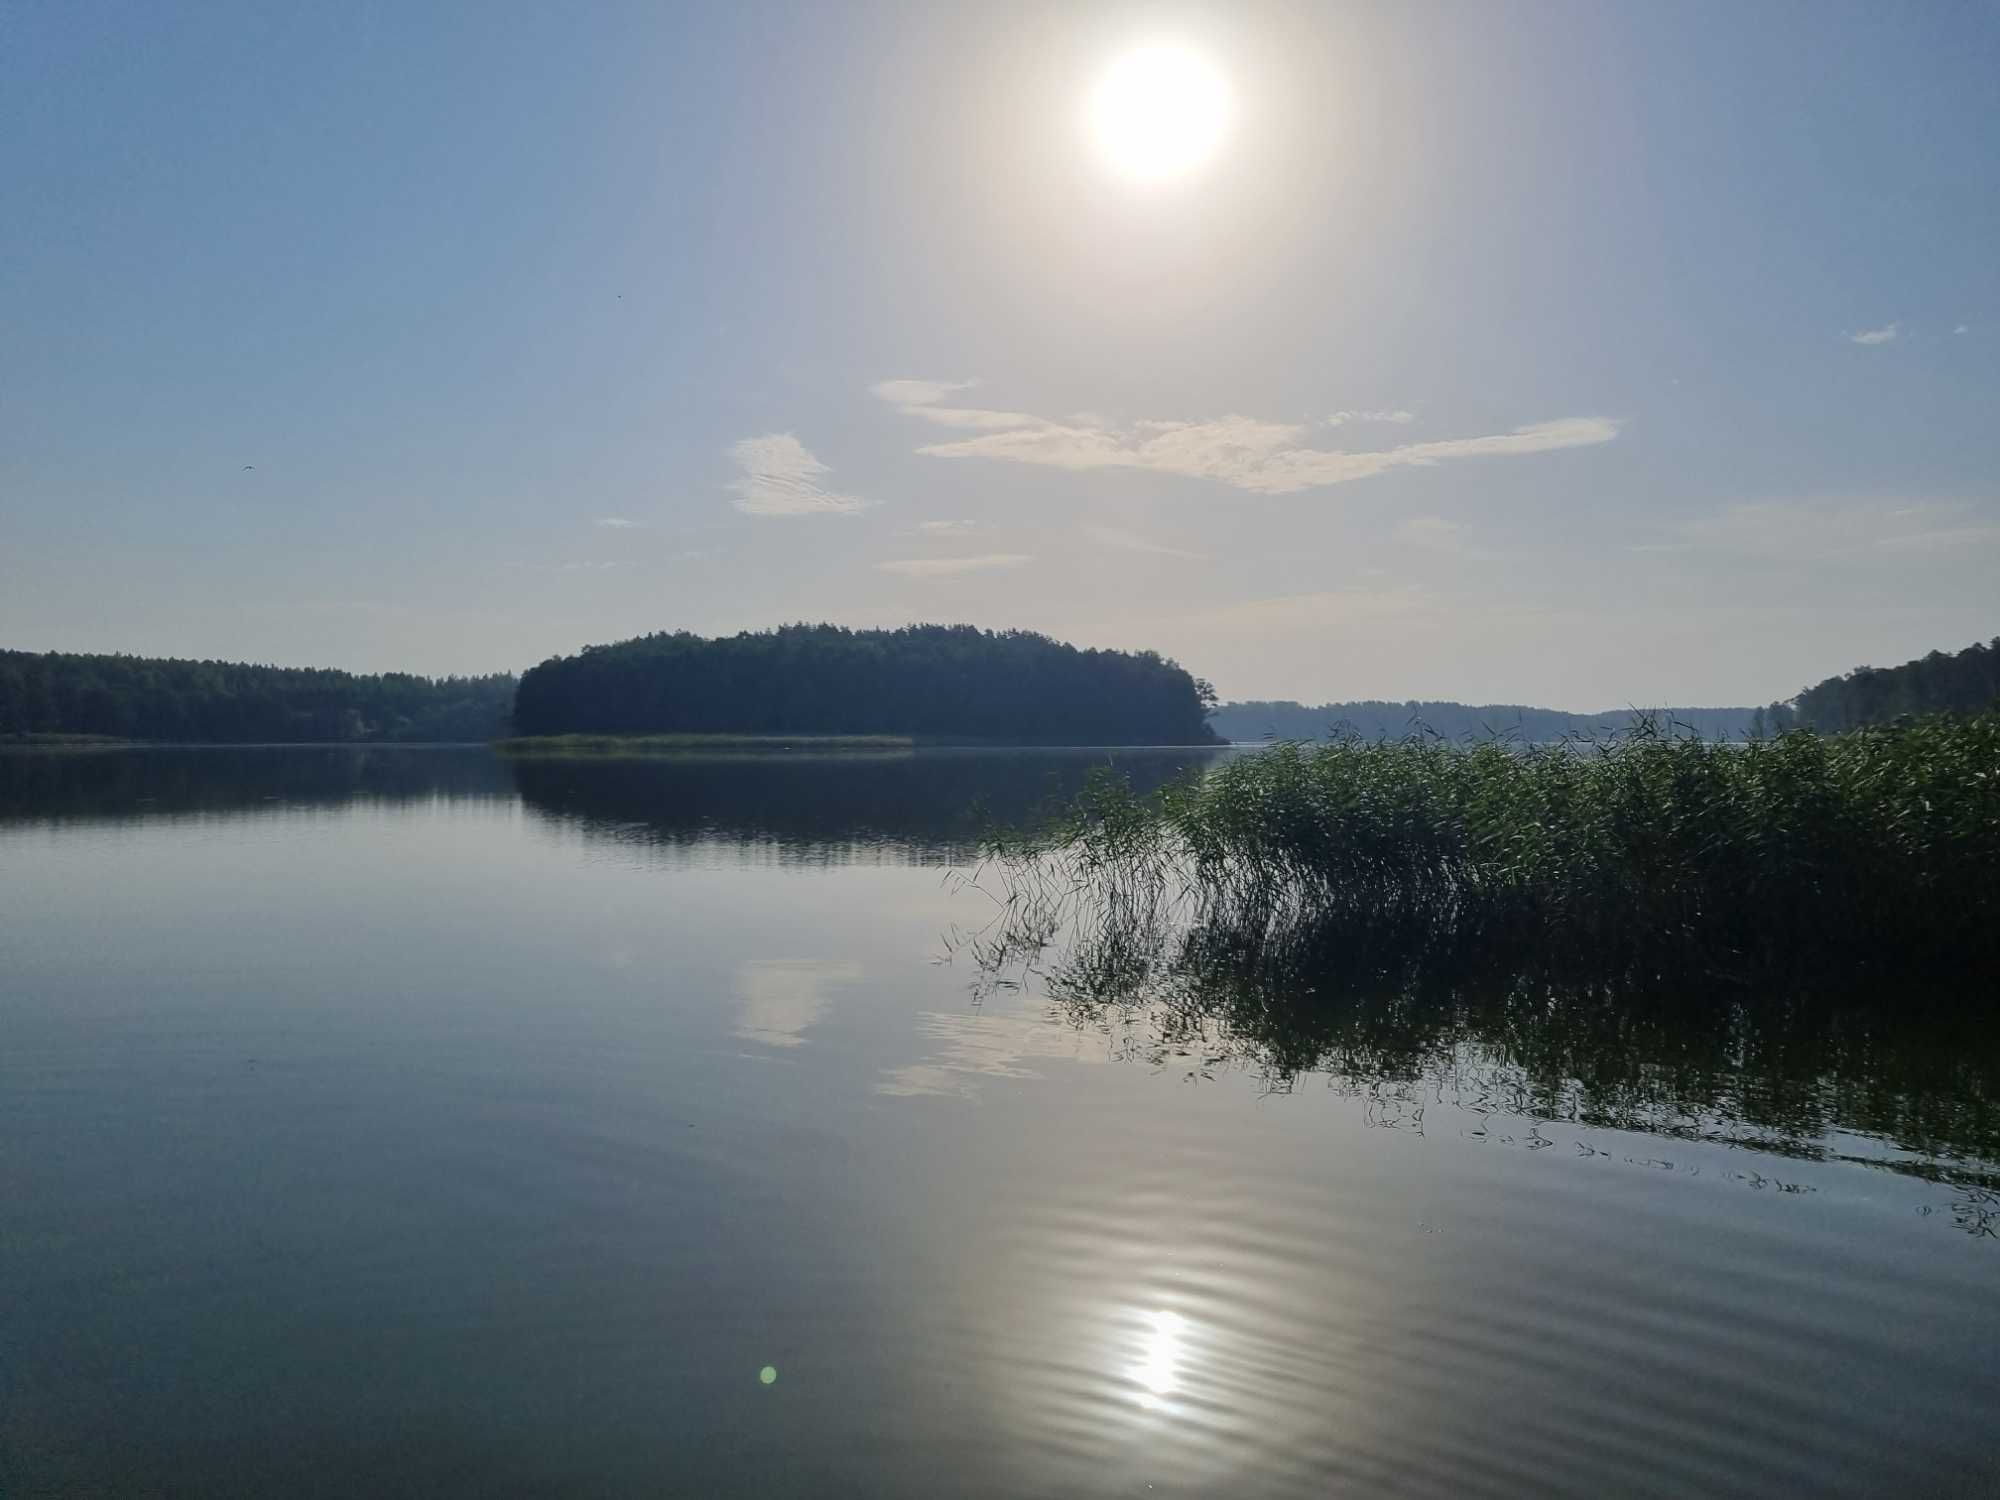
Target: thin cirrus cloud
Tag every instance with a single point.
(1128, 541)
(1399, 417)
(1436, 534)
(927, 399)
(1246, 453)
(617, 523)
(781, 477)
(1433, 532)
(1811, 530)
(1886, 334)
(946, 567)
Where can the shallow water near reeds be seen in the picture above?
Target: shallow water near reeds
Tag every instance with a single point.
(414, 1121)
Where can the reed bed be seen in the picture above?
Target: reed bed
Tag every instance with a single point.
(1651, 853)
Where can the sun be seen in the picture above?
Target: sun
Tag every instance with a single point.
(1159, 112)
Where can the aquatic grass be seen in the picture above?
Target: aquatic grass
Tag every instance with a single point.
(1876, 850)
(1753, 943)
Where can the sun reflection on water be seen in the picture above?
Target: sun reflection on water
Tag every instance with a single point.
(1162, 1352)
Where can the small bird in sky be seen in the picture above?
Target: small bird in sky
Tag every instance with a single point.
(249, 466)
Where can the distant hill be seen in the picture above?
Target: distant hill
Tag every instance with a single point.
(1964, 682)
(162, 698)
(951, 682)
(1375, 719)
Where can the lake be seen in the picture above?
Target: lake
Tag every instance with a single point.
(422, 1122)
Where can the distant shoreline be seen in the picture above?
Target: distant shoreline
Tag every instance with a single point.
(56, 739)
(644, 744)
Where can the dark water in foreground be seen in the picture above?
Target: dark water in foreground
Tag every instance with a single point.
(413, 1123)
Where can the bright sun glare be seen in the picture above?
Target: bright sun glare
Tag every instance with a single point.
(1159, 112)
(1162, 1350)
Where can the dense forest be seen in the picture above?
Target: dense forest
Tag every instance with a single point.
(1373, 719)
(946, 682)
(156, 698)
(1961, 683)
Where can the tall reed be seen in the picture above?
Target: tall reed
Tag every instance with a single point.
(1874, 851)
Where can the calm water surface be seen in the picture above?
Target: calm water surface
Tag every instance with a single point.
(413, 1122)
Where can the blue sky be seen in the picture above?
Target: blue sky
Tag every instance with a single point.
(1572, 354)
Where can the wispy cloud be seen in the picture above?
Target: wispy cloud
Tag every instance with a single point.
(926, 399)
(355, 606)
(945, 528)
(1399, 417)
(1127, 541)
(1246, 453)
(1431, 531)
(616, 523)
(919, 392)
(1886, 334)
(1323, 610)
(1816, 529)
(942, 567)
(1963, 328)
(1940, 539)
(782, 478)
(1436, 534)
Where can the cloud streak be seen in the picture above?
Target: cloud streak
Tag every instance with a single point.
(1127, 541)
(1399, 417)
(919, 392)
(781, 477)
(945, 567)
(1887, 334)
(1812, 530)
(1245, 453)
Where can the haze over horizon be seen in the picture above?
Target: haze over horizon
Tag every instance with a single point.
(1648, 357)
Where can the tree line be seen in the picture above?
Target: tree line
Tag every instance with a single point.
(1962, 682)
(931, 681)
(159, 698)
(1377, 719)
(946, 682)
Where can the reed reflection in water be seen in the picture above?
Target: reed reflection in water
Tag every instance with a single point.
(1901, 1077)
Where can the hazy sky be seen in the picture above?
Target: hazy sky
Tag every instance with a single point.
(1575, 354)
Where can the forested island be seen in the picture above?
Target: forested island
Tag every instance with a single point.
(951, 683)
(60, 693)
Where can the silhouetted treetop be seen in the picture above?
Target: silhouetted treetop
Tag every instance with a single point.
(1962, 683)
